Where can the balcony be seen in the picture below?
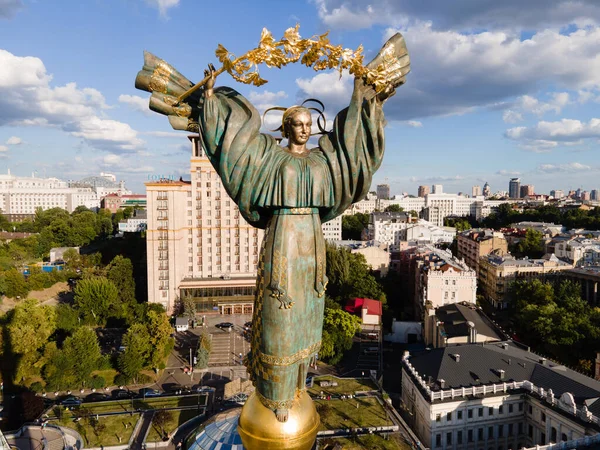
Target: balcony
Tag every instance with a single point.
(163, 277)
(163, 257)
(163, 288)
(163, 226)
(163, 267)
(162, 197)
(162, 237)
(162, 218)
(162, 208)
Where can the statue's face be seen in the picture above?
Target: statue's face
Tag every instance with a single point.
(299, 127)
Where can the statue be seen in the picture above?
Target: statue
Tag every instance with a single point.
(289, 191)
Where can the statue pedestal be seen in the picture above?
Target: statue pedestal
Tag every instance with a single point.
(260, 430)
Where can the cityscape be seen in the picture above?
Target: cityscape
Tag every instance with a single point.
(153, 271)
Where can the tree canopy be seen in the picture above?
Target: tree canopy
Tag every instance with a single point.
(353, 226)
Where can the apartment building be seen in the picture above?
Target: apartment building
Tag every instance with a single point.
(475, 243)
(497, 396)
(579, 251)
(496, 273)
(332, 230)
(386, 227)
(424, 232)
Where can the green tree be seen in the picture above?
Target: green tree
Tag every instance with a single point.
(67, 318)
(95, 298)
(120, 272)
(137, 351)
(159, 333)
(353, 226)
(339, 327)
(531, 246)
(189, 307)
(204, 350)
(84, 351)
(161, 419)
(15, 284)
(30, 325)
(393, 208)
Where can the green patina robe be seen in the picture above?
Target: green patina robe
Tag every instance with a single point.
(290, 196)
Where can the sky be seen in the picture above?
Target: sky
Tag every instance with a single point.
(496, 89)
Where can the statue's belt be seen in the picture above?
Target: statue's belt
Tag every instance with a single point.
(295, 211)
(290, 359)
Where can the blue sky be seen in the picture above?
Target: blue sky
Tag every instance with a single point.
(497, 89)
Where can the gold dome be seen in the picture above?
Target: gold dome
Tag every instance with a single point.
(260, 430)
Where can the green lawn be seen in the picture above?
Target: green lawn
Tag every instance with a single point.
(336, 414)
(370, 442)
(106, 432)
(177, 419)
(149, 403)
(345, 385)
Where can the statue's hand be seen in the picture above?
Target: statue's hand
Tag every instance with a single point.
(388, 92)
(210, 83)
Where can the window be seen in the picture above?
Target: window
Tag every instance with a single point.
(459, 437)
(520, 428)
(480, 412)
(500, 409)
(438, 440)
(563, 437)
(510, 429)
(521, 407)
(500, 430)
(449, 416)
(459, 415)
(510, 408)
(469, 413)
(490, 432)
(470, 435)
(449, 438)
(530, 409)
(480, 434)
(438, 417)
(553, 435)
(530, 431)
(491, 411)
(543, 438)
(543, 417)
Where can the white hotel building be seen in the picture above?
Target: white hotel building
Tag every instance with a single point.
(497, 397)
(199, 245)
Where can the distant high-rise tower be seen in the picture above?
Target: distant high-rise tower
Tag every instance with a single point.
(437, 189)
(383, 191)
(527, 190)
(557, 193)
(594, 195)
(487, 191)
(514, 188)
(585, 195)
(475, 191)
(423, 191)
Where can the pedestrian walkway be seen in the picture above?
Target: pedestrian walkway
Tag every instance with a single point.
(141, 431)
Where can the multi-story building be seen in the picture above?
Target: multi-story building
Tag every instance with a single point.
(527, 190)
(21, 196)
(557, 193)
(423, 191)
(198, 244)
(437, 189)
(475, 191)
(586, 196)
(385, 227)
(441, 279)
(475, 243)
(579, 251)
(497, 396)
(487, 190)
(594, 195)
(458, 323)
(589, 280)
(383, 191)
(135, 224)
(496, 273)
(332, 230)
(514, 188)
(424, 232)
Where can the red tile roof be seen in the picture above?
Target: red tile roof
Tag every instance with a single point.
(356, 305)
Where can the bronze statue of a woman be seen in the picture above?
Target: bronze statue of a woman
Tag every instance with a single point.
(289, 191)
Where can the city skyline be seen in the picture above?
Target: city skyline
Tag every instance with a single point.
(496, 91)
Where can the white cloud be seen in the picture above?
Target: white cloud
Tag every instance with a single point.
(163, 5)
(123, 164)
(136, 103)
(568, 168)
(8, 8)
(28, 99)
(414, 123)
(3, 148)
(510, 116)
(547, 135)
(449, 179)
(511, 173)
(14, 140)
(459, 14)
(165, 134)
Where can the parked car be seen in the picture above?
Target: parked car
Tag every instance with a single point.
(248, 325)
(97, 397)
(71, 401)
(123, 393)
(225, 326)
(149, 392)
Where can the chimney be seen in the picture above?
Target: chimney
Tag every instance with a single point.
(501, 374)
(505, 345)
(442, 383)
(543, 361)
(456, 357)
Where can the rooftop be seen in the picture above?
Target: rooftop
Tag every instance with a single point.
(456, 317)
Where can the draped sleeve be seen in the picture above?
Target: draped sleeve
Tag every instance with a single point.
(353, 150)
(229, 130)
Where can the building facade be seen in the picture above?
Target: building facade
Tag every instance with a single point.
(527, 190)
(332, 230)
(385, 227)
(475, 243)
(496, 396)
(514, 188)
(383, 191)
(497, 273)
(476, 191)
(423, 191)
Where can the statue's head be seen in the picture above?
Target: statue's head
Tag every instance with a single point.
(296, 124)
